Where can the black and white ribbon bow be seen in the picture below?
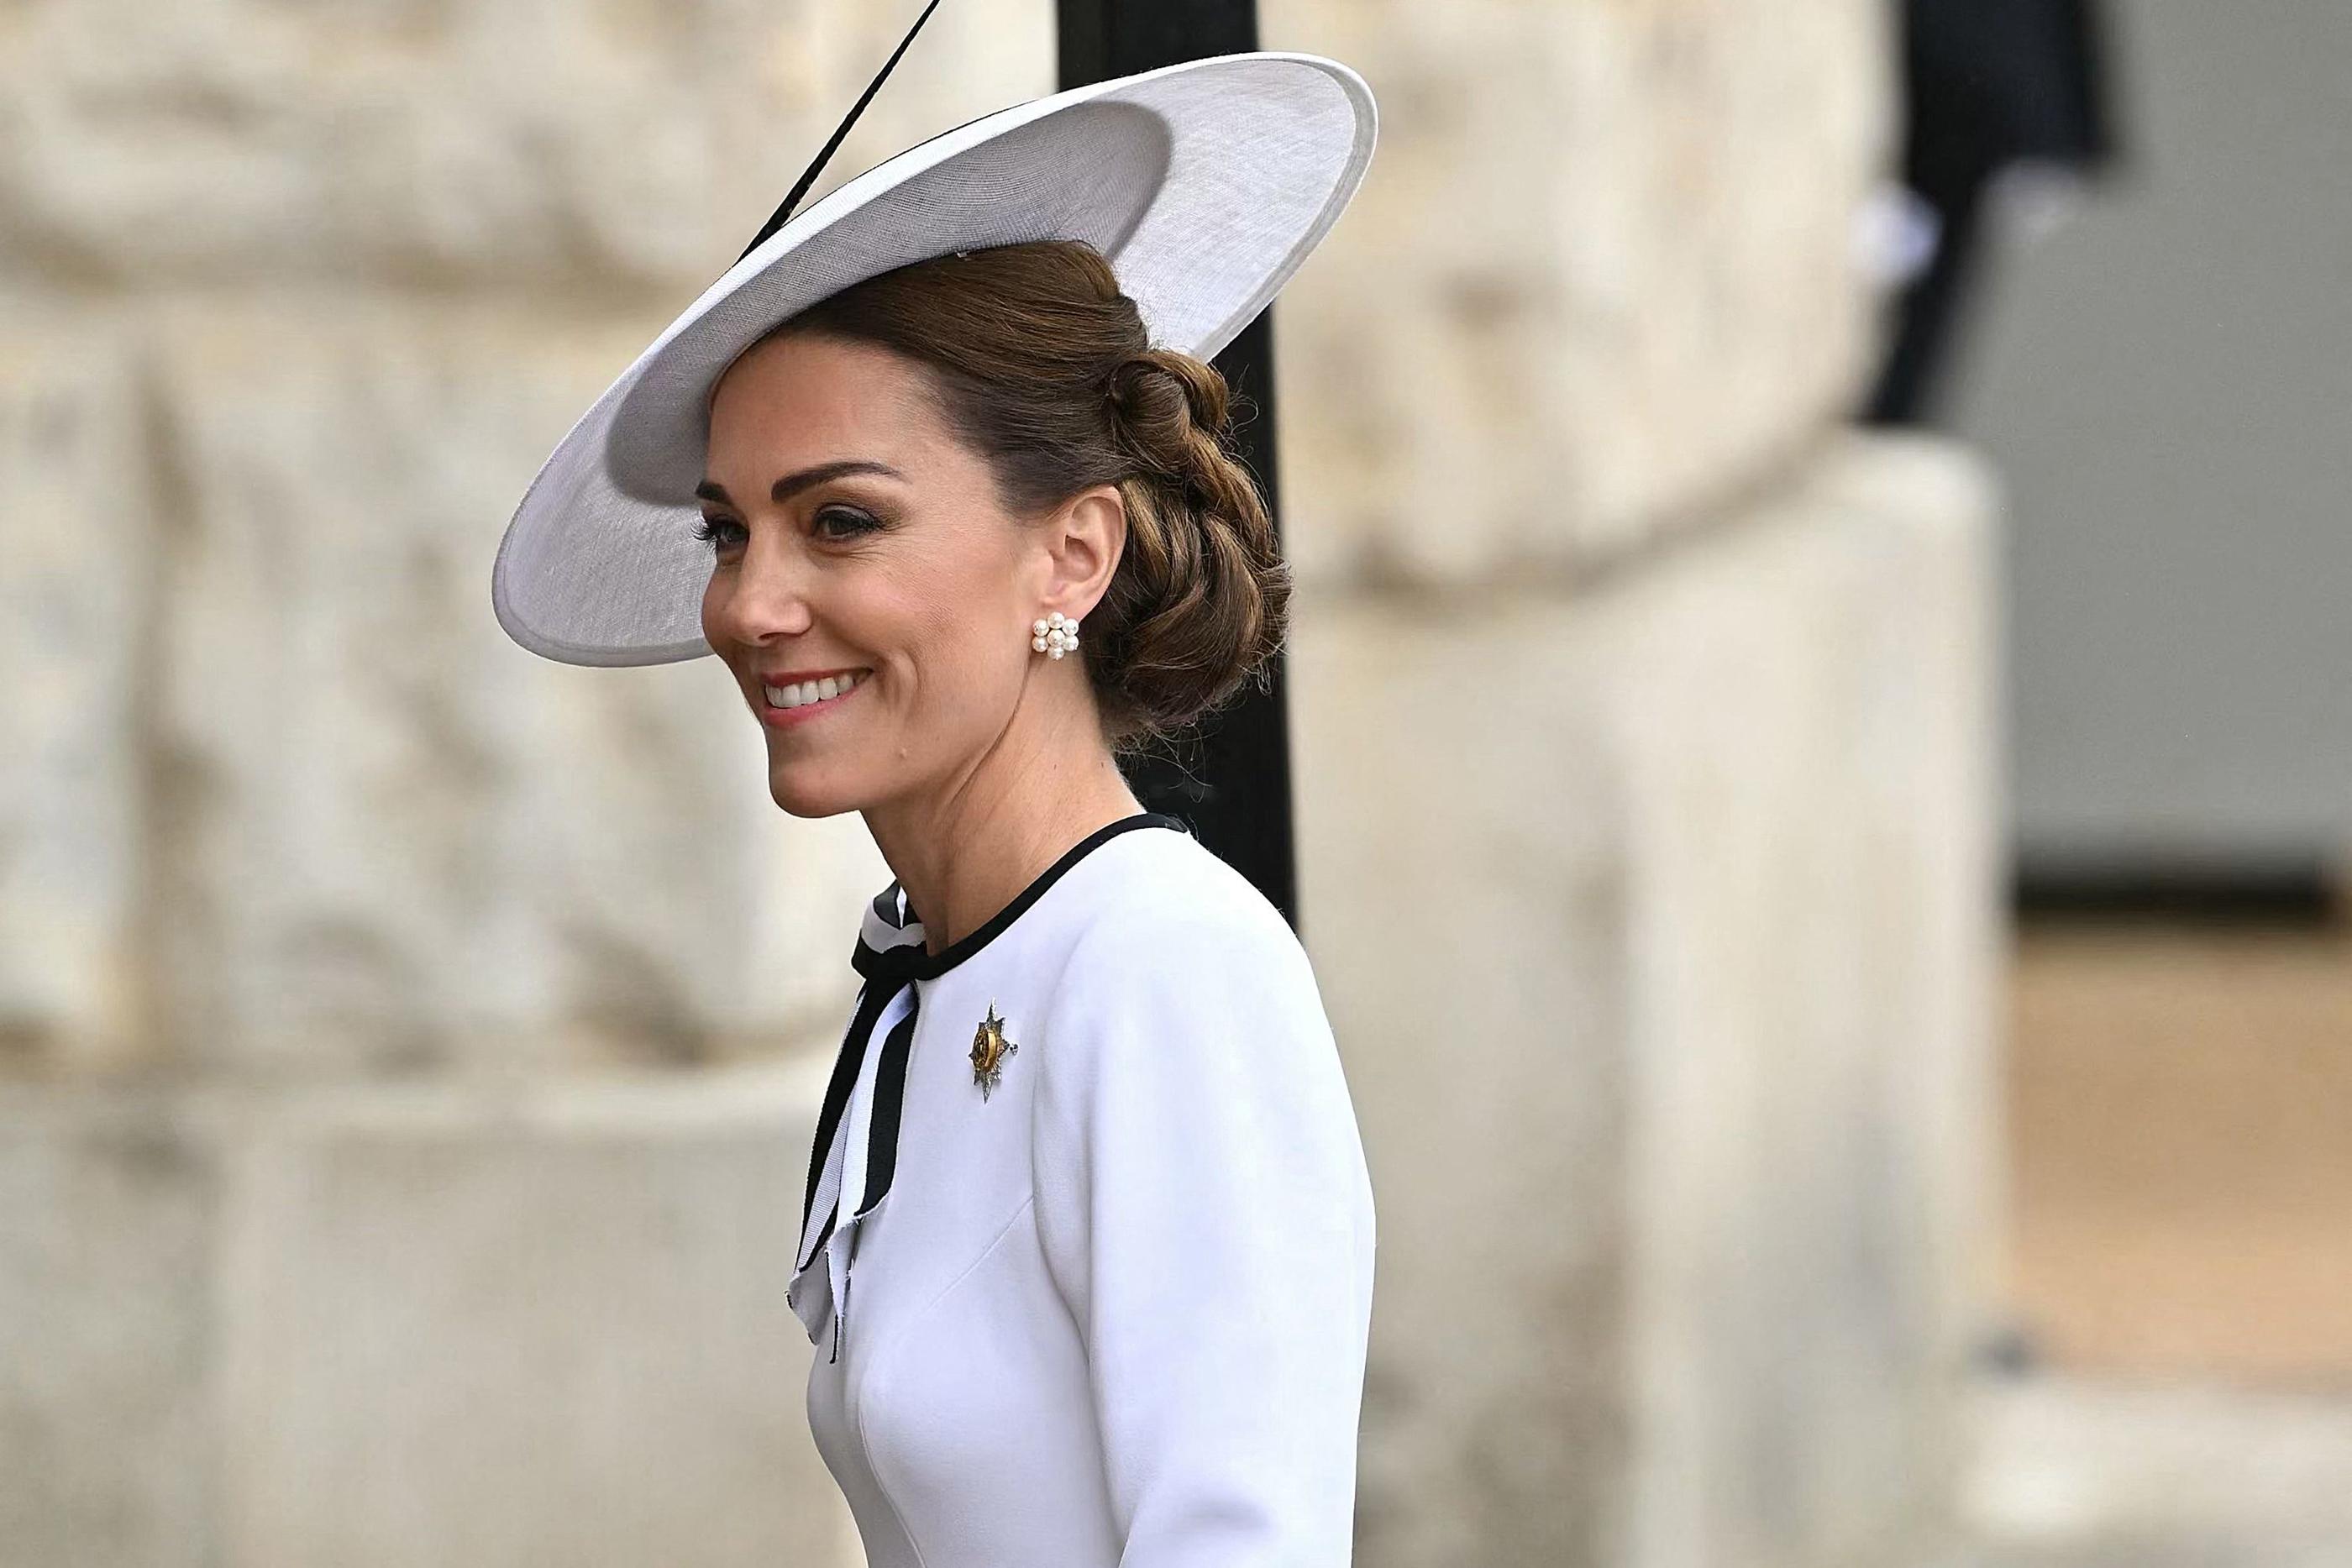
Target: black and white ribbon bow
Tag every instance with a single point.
(891, 957)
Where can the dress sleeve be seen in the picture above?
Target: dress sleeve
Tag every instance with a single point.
(1207, 1217)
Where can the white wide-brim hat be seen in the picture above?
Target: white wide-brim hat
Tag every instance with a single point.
(1204, 184)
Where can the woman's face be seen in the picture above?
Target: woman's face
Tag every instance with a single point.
(860, 550)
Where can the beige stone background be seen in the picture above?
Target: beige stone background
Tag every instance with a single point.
(408, 1047)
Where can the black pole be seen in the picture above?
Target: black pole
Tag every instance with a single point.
(1233, 785)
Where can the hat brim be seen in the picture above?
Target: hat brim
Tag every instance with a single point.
(1204, 184)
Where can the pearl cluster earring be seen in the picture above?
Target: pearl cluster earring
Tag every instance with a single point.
(1054, 636)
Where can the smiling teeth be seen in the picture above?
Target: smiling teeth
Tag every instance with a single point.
(799, 693)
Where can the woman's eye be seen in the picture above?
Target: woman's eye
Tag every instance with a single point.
(714, 531)
(841, 523)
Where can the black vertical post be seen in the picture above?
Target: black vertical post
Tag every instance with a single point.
(1234, 787)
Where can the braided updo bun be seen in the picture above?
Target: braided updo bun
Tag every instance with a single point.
(1202, 595)
(1045, 367)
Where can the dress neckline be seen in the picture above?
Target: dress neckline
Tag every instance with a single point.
(890, 956)
(891, 944)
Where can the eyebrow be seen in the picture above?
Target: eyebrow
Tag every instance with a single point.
(792, 484)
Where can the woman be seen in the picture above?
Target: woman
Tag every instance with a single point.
(1088, 1239)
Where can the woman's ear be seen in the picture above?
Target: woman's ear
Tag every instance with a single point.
(1083, 544)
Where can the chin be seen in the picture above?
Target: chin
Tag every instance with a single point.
(798, 799)
(807, 792)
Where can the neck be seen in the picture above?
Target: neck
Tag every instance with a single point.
(965, 849)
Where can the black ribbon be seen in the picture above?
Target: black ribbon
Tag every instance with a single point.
(781, 214)
(889, 970)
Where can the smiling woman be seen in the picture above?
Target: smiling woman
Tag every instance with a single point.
(965, 530)
(953, 465)
(950, 453)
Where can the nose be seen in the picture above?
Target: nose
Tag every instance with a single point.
(762, 598)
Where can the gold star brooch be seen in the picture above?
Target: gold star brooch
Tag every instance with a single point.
(988, 1050)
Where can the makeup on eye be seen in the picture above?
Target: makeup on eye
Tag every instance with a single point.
(858, 522)
(835, 524)
(708, 530)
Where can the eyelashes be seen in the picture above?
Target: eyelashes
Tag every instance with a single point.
(856, 523)
(709, 529)
(835, 524)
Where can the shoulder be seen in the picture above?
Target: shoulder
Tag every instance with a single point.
(1183, 981)
(1165, 916)
(1186, 1030)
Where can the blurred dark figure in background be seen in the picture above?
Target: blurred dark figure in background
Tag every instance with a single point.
(1991, 86)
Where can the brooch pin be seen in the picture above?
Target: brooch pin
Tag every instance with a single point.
(988, 1050)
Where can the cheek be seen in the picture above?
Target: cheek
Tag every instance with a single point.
(962, 642)
(949, 674)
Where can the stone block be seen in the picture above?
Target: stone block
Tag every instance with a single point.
(622, 143)
(108, 1209)
(390, 838)
(1657, 924)
(1602, 275)
(545, 1333)
(77, 520)
(439, 1322)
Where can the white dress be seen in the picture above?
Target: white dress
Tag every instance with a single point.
(1109, 1308)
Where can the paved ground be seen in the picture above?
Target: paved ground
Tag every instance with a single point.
(2078, 1473)
(2180, 1111)
(2181, 1122)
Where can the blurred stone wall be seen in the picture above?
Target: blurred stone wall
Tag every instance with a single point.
(1647, 775)
(394, 1163)
(409, 1045)
(296, 302)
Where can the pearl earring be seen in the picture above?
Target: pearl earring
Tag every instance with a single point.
(1054, 636)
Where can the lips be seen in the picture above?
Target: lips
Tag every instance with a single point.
(801, 693)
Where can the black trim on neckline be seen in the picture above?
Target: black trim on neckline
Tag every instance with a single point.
(887, 972)
(913, 962)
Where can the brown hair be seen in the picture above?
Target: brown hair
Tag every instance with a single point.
(1043, 367)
